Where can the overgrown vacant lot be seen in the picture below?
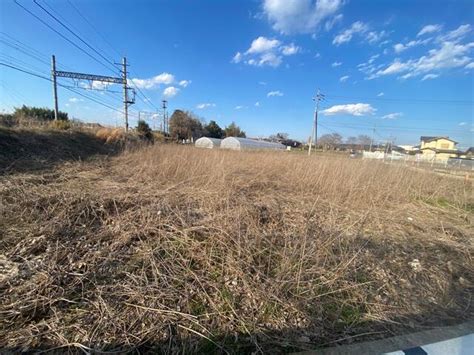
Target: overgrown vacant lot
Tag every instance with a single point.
(174, 249)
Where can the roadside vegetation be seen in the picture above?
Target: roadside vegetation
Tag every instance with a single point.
(173, 249)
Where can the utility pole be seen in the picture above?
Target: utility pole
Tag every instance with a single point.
(165, 118)
(125, 92)
(94, 77)
(372, 140)
(55, 86)
(314, 134)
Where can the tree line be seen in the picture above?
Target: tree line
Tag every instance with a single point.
(186, 125)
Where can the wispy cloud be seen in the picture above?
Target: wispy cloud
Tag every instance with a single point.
(380, 94)
(448, 55)
(429, 77)
(304, 16)
(336, 64)
(358, 109)
(75, 99)
(205, 105)
(184, 83)
(361, 29)
(429, 29)
(344, 78)
(392, 116)
(274, 93)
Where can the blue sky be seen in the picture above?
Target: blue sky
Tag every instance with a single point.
(405, 67)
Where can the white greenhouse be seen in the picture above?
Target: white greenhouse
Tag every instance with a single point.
(236, 143)
(206, 142)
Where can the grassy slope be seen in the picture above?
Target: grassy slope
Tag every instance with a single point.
(174, 248)
(37, 149)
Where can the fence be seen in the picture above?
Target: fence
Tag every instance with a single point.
(421, 160)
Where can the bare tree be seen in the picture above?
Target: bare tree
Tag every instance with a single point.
(330, 140)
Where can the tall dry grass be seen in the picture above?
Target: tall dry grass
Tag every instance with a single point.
(175, 249)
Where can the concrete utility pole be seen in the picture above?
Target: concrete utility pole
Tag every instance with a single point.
(125, 92)
(55, 86)
(314, 134)
(165, 117)
(372, 140)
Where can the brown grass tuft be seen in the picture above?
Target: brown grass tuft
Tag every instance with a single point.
(177, 249)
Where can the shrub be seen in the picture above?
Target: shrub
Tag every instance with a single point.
(39, 113)
(60, 125)
(144, 131)
(111, 135)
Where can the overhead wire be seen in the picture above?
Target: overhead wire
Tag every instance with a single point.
(114, 69)
(60, 34)
(64, 86)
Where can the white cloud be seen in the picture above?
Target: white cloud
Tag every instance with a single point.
(170, 92)
(393, 116)
(205, 105)
(257, 104)
(457, 34)
(462, 123)
(317, 55)
(290, 49)
(374, 36)
(429, 29)
(449, 55)
(429, 76)
(262, 44)
(343, 78)
(274, 93)
(262, 83)
(264, 51)
(184, 83)
(470, 66)
(303, 16)
(399, 47)
(269, 58)
(380, 94)
(239, 107)
(163, 78)
(350, 109)
(331, 23)
(336, 64)
(237, 58)
(346, 35)
(75, 99)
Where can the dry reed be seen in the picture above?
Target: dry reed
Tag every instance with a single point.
(174, 249)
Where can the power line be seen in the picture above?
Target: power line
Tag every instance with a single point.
(18, 45)
(77, 36)
(400, 128)
(406, 100)
(60, 34)
(143, 97)
(93, 27)
(66, 87)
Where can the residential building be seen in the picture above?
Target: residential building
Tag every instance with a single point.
(440, 148)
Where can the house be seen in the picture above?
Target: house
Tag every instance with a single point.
(440, 148)
(468, 154)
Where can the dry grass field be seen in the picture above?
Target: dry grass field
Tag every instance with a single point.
(178, 250)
